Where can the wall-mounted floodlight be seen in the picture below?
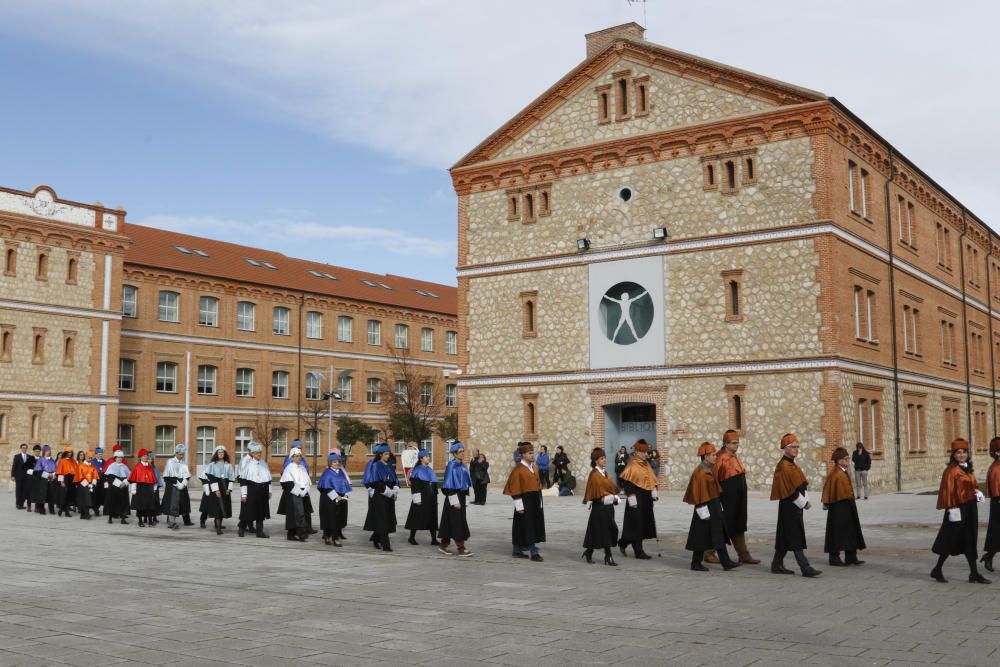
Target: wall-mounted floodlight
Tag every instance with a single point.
(583, 244)
(660, 234)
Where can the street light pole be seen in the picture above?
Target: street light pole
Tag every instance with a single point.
(329, 416)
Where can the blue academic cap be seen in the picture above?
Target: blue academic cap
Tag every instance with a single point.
(334, 457)
(455, 446)
(422, 453)
(381, 448)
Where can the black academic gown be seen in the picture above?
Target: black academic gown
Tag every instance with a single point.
(454, 525)
(144, 500)
(43, 491)
(297, 510)
(22, 480)
(332, 514)
(843, 527)
(993, 528)
(734, 504)
(955, 538)
(215, 506)
(791, 532)
(176, 502)
(381, 519)
(424, 515)
(116, 498)
(639, 523)
(710, 533)
(97, 498)
(602, 531)
(528, 526)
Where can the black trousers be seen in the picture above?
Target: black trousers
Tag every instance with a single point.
(21, 490)
(800, 558)
(479, 491)
(543, 475)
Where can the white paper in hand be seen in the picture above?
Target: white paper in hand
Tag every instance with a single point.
(633, 501)
(800, 501)
(703, 512)
(608, 499)
(454, 501)
(518, 505)
(954, 514)
(332, 495)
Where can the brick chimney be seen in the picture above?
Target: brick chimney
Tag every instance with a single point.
(602, 39)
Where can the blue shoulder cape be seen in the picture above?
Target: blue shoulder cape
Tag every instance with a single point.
(456, 476)
(424, 474)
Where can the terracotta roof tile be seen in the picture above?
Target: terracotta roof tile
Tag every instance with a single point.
(158, 248)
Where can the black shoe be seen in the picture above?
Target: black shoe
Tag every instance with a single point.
(836, 562)
(242, 531)
(413, 542)
(201, 524)
(124, 521)
(621, 547)
(218, 531)
(263, 535)
(326, 540)
(938, 576)
(780, 569)
(188, 522)
(978, 579)
(387, 548)
(312, 531)
(589, 555)
(293, 538)
(698, 567)
(337, 543)
(518, 554)
(987, 561)
(434, 543)
(174, 526)
(610, 560)
(537, 558)
(642, 555)
(109, 519)
(812, 572)
(731, 565)
(855, 562)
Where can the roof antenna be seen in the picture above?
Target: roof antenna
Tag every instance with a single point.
(643, 2)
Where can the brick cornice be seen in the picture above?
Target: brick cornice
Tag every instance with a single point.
(700, 139)
(667, 60)
(39, 230)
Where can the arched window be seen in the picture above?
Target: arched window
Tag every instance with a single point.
(529, 207)
(734, 298)
(6, 344)
(69, 346)
(3, 426)
(38, 349)
(604, 110)
(529, 315)
(512, 208)
(738, 413)
(530, 418)
(65, 428)
(730, 167)
(71, 271)
(43, 266)
(623, 105)
(10, 264)
(36, 426)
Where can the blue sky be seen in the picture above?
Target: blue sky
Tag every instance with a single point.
(324, 130)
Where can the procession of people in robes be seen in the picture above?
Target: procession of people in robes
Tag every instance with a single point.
(717, 491)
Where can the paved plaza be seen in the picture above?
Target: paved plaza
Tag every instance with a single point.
(89, 593)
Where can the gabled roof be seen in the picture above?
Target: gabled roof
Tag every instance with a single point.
(161, 249)
(667, 59)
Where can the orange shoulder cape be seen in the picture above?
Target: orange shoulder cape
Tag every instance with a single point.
(787, 478)
(66, 467)
(958, 487)
(993, 480)
(837, 486)
(727, 465)
(702, 487)
(640, 474)
(522, 481)
(598, 486)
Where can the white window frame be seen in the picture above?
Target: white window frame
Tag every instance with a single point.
(314, 325)
(310, 442)
(427, 339)
(345, 329)
(208, 376)
(279, 384)
(246, 384)
(451, 396)
(451, 342)
(165, 439)
(426, 394)
(345, 386)
(852, 170)
(246, 316)
(242, 438)
(374, 332)
(166, 371)
(402, 338)
(400, 392)
(205, 439)
(169, 306)
(373, 391)
(208, 311)
(125, 437)
(281, 323)
(122, 374)
(130, 301)
(314, 387)
(279, 442)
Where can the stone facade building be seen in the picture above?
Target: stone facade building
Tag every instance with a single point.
(662, 246)
(174, 338)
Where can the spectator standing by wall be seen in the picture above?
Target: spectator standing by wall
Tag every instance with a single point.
(542, 461)
(862, 461)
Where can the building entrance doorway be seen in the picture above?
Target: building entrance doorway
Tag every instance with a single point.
(624, 423)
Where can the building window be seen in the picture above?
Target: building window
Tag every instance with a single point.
(36, 427)
(864, 314)
(869, 424)
(451, 342)
(623, 106)
(281, 324)
(374, 332)
(904, 218)
(603, 104)
(38, 346)
(345, 329)
(65, 428)
(244, 382)
(279, 442)
(513, 210)
(736, 400)
(6, 342)
(864, 194)
(911, 330)
(205, 442)
(244, 436)
(314, 325)
(529, 314)
(10, 261)
(126, 375)
(129, 301)
(71, 270)
(975, 270)
(208, 311)
(951, 421)
(345, 386)
(943, 242)
(125, 438)
(852, 187)
(641, 88)
(374, 392)
(206, 379)
(426, 394)
(733, 284)
(730, 184)
(69, 347)
(166, 377)
(402, 336)
(980, 434)
(310, 442)
(246, 313)
(749, 170)
(402, 393)
(915, 423)
(169, 310)
(710, 181)
(313, 387)
(529, 208)
(948, 344)
(279, 384)
(166, 440)
(544, 203)
(42, 272)
(530, 416)
(451, 396)
(977, 353)
(427, 339)
(3, 427)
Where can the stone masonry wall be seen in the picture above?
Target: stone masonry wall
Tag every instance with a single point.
(665, 194)
(54, 289)
(21, 374)
(674, 102)
(696, 410)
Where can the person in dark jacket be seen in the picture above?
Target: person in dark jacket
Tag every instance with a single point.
(708, 524)
(542, 461)
(525, 490)
(480, 471)
(790, 487)
(23, 462)
(424, 485)
(843, 527)
(958, 496)
(862, 461)
(639, 485)
(992, 544)
(560, 462)
(621, 460)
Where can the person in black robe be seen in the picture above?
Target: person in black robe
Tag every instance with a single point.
(423, 499)
(525, 489)
(43, 491)
(454, 524)
(843, 526)
(97, 498)
(255, 491)
(383, 486)
(790, 487)
(116, 505)
(480, 471)
(602, 494)
(334, 491)
(958, 496)
(143, 482)
(295, 503)
(29, 488)
(639, 484)
(992, 544)
(23, 462)
(708, 523)
(217, 478)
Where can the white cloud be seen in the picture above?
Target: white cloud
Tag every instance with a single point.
(423, 81)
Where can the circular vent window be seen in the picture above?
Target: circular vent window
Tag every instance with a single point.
(626, 194)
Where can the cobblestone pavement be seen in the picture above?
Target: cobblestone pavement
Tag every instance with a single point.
(89, 593)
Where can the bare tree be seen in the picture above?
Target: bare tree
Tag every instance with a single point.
(418, 398)
(313, 413)
(266, 420)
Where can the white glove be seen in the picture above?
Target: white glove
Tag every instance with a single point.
(395, 489)
(105, 485)
(703, 512)
(979, 496)
(83, 483)
(344, 497)
(206, 489)
(633, 501)
(518, 505)
(388, 493)
(954, 515)
(332, 495)
(609, 499)
(45, 475)
(182, 484)
(800, 501)
(132, 488)
(243, 491)
(118, 483)
(371, 492)
(213, 487)
(30, 472)
(454, 501)
(656, 495)
(416, 498)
